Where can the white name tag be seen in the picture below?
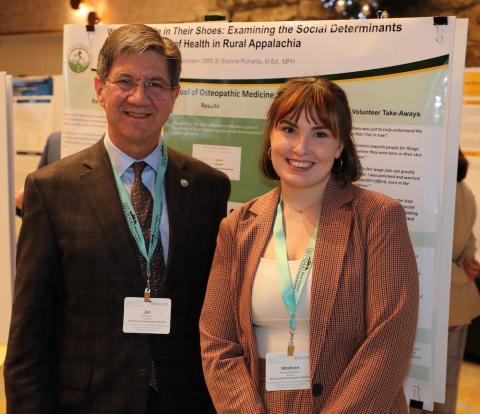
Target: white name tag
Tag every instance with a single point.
(287, 372)
(147, 317)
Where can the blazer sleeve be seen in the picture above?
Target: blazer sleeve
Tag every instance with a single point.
(466, 208)
(372, 381)
(226, 373)
(29, 368)
(471, 206)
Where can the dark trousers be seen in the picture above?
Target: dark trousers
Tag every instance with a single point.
(153, 402)
(162, 403)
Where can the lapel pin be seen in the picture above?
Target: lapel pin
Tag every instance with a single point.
(183, 182)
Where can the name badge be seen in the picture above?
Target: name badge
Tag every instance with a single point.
(147, 317)
(285, 373)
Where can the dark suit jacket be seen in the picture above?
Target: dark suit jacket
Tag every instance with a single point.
(76, 262)
(363, 309)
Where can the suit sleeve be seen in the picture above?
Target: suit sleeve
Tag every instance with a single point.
(29, 362)
(226, 374)
(372, 381)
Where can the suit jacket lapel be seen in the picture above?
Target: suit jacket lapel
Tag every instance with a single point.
(101, 192)
(333, 236)
(178, 180)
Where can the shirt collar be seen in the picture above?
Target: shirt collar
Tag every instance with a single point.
(121, 161)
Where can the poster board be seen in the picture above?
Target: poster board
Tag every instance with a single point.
(37, 112)
(7, 209)
(406, 135)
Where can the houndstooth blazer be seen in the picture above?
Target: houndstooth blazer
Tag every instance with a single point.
(363, 314)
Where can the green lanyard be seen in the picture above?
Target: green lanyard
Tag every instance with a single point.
(132, 219)
(290, 292)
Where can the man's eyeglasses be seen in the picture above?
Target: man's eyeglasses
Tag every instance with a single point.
(153, 89)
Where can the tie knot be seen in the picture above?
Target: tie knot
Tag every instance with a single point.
(138, 167)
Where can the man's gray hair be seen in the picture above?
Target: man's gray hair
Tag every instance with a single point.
(139, 38)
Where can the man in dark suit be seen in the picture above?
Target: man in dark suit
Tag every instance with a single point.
(110, 280)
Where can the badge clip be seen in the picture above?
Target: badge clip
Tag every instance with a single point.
(290, 350)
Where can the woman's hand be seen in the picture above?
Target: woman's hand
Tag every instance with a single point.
(471, 267)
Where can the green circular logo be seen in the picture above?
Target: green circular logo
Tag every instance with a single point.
(79, 60)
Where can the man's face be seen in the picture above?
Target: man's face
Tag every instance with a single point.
(135, 103)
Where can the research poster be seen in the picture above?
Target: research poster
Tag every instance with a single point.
(400, 105)
(33, 120)
(37, 103)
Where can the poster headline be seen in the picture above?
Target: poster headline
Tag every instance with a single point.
(237, 35)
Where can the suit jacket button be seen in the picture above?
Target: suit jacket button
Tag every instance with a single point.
(317, 389)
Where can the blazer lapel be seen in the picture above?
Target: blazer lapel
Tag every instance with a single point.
(101, 192)
(252, 237)
(333, 236)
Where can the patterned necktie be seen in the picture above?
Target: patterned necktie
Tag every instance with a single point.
(142, 202)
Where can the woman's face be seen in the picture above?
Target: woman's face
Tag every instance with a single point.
(303, 153)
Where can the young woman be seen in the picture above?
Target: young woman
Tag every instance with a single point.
(312, 299)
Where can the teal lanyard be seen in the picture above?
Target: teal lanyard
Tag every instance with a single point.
(291, 292)
(131, 216)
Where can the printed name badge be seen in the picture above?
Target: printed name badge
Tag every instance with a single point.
(285, 373)
(147, 317)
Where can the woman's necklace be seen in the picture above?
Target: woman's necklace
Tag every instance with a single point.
(301, 210)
